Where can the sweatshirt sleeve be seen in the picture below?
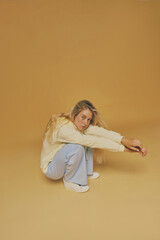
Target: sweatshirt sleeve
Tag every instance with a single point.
(68, 134)
(102, 132)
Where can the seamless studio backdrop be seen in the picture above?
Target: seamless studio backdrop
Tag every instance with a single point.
(53, 54)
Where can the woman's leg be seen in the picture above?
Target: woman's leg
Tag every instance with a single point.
(70, 163)
(89, 157)
(76, 170)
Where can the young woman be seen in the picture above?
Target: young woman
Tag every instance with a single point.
(69, 139)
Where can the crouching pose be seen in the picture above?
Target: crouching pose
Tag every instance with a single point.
(69, 139)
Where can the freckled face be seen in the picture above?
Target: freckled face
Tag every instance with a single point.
(82, 120)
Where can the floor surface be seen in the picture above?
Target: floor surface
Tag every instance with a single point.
(123, 204)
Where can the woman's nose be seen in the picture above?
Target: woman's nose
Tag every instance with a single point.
(85, 122)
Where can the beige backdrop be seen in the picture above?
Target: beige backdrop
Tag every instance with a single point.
(54, 53)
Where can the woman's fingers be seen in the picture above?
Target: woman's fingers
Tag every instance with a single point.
(144, 151)
(136, 149)
(134, 145)
(128, 150)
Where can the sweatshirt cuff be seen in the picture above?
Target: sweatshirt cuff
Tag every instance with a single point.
(119, 139)
(121, 148)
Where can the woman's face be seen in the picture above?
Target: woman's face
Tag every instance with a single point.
(82, 120)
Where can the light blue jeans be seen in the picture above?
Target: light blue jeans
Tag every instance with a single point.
(72, 163)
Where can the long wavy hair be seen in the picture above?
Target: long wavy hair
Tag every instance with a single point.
(76, 109)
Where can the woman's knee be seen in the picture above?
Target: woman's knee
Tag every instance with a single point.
(76, 148)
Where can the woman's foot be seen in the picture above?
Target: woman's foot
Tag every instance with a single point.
(94, 175)
(75, 187)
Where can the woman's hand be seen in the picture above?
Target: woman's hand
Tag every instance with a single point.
(134, 145)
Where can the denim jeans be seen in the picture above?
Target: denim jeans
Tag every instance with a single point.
(72, 163)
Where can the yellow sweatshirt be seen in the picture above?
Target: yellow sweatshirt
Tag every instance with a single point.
(67, 132)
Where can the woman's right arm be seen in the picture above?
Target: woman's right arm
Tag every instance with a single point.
(102, 132)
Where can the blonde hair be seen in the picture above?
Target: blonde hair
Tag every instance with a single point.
(84, 104)
(76, 109)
